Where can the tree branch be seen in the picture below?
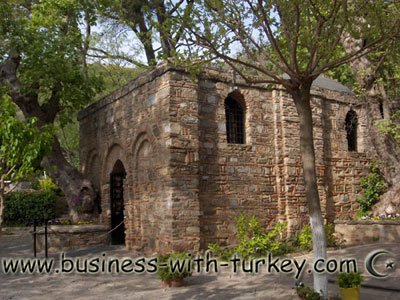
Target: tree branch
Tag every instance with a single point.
(107, 55)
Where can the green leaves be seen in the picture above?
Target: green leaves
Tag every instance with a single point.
(253, 241)
(22, 144)
(22, 208)
(168, 266)
(48, 37)
(391, 126)
(373, 185)
(349, 280)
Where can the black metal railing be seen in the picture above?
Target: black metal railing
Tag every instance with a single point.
(34, 232)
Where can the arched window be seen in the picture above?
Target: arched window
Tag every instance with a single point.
(351, 130)
(234, 114)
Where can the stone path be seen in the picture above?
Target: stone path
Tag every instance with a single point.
(218, 286)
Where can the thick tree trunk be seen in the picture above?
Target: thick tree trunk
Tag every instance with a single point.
(79, 191)
(302, 101)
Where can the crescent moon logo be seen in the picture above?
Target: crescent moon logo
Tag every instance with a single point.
(370, 263)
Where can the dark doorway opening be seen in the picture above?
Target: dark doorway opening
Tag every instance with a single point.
(117, 177)
(351, 130)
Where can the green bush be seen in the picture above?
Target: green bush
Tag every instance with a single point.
(165, 273)
(223, 253)
(47, 185)
(349, 280)
(374, 186)
(305, 240)
(22, 208)
(391, 126)
(253, 242)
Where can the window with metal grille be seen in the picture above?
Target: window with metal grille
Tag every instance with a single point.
(351, 130)
(234, 114)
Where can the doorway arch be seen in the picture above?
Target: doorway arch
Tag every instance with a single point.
(117, 177)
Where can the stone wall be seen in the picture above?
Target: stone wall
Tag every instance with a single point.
(185, 183)
(132, 125)
(63, 238)
(364, 231)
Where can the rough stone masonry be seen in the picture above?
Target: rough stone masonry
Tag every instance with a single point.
(184, 182)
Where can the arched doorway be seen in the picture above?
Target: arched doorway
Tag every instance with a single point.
(117, 177)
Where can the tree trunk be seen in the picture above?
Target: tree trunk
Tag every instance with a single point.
(302, 102)
(80, 194)
(78, 190)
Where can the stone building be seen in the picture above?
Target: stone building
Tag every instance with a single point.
(175, 160)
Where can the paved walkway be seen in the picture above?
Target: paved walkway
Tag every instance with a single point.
(218, 286)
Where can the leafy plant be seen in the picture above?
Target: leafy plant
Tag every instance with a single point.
(223, 253)
(374, 186)
(47, 185)
(253, 242)
(166, 273)
(306, 293)
(349, 280)
(305, 241)
(22, 146)
(391, 126)
(22, 208)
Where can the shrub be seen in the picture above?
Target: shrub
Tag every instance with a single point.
(166, 274)
(253, 242)
(22, 208)
(391, 126)
(349, 280)
(47, 185)
(305, 241)
(374, 186)
(223, 253)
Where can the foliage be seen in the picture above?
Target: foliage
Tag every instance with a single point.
(306, 293)
(305, 240)
(22, 208)
(165, 273)
(391, 126)
(47, 185)
(223, 253)
(153, 23)
(22, 144)
(373, 185)
(48, 37)
(114, 76)
(43, 67)
(253, 242)
(349, 280)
